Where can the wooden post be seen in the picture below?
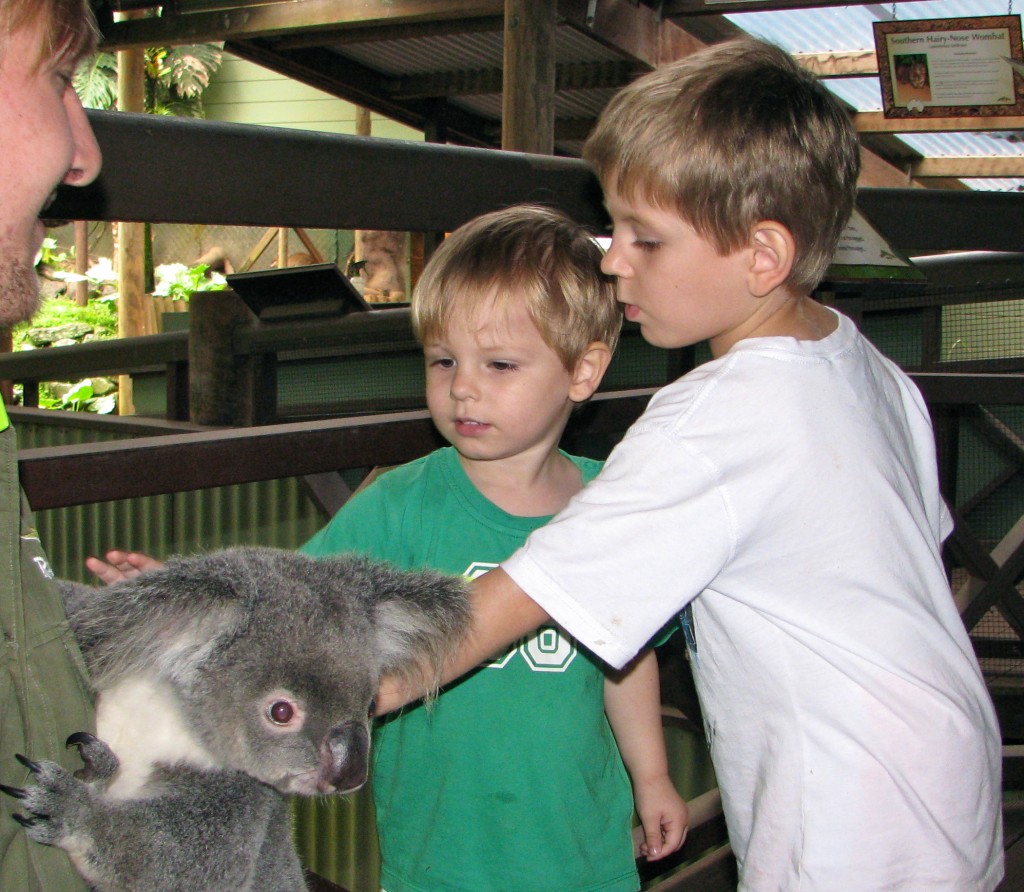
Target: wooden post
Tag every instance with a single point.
(132, 313)
(528, 85)
(221, 389)
(282, 247)
(81, 261)
(364, 127)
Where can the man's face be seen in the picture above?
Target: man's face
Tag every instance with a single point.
(45, 140)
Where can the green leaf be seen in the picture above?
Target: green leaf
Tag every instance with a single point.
(96, 81)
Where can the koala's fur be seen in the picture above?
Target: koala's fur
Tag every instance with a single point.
(223, 682)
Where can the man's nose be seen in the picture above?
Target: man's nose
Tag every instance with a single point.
(87, 159)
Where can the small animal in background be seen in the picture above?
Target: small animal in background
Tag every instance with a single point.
(225, 681)
(383, 265)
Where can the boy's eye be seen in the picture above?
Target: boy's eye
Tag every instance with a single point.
(503, 365)
(647, 244)
(443, 362)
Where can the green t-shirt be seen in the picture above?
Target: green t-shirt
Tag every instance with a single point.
(511, 781)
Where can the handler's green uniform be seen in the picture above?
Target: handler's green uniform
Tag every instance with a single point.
(44, 692)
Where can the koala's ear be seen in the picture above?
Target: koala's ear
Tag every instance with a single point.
(164, 622)
(419, 618)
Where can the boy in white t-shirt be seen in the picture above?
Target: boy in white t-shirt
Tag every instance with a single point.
(783, 497)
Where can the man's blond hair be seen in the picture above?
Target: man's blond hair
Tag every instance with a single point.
(526, 254)
(67, 27)
(728, 137)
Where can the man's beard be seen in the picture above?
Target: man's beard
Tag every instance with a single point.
(19, 292)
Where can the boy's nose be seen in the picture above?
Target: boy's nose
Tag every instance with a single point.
(463, 386)
(612, 263)
(87, 159)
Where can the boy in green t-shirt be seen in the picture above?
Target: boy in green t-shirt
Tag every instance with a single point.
(512, 780)
(517, 779)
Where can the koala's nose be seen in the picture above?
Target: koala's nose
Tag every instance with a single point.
(345, 756)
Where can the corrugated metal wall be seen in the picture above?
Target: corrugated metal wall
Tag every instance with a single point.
(272, 512)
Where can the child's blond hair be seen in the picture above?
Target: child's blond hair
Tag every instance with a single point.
(68, 27)
(523, 254)
(731, 136)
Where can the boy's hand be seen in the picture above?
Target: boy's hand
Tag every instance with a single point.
(664, 818)
(121, 565)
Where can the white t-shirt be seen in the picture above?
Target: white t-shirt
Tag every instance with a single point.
(792, 486)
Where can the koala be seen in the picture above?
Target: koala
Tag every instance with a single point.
(223, 682)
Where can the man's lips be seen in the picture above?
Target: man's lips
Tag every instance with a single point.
(630, 311)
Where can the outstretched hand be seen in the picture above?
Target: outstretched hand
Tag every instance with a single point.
(120, 565)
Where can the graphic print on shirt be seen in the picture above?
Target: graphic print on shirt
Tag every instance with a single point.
(548, 649)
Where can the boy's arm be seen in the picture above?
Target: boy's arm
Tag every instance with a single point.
(632, 702)
(502, 613)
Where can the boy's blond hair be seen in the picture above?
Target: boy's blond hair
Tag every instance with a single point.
(731, 136)
(68, 27)
(523, 254)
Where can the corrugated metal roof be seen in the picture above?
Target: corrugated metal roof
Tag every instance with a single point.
(848, 28)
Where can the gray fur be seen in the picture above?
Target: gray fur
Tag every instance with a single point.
(223, 636)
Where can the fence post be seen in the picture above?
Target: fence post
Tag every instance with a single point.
(220, 385)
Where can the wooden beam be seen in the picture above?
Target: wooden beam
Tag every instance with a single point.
(633, 29)
(876, 122)
(240, 174)
(861, 63)
(683, 9)
(330, 181)
(278, 19)
(528, 94)
(969, 166)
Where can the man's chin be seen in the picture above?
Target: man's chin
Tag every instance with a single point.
(19, 292)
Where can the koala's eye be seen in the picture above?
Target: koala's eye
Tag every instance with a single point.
(373, 707)
(281, 712)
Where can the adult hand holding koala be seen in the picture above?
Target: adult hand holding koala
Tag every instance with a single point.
(223, 682)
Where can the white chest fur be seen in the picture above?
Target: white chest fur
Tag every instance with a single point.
(141, 721)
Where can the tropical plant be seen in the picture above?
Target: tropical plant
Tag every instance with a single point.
(178, 281)
(86, 395)
(175, 79)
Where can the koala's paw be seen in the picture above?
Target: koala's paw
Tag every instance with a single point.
(55, 804)
(100, 761)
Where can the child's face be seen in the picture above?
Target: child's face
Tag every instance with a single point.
(673, 282)
(494, 388)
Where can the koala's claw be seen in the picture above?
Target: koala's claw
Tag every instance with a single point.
(54, 805)
(100, 761)
(14, 792)
(79, 738)
(34, 767)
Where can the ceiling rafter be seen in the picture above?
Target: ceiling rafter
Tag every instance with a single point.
(876, 122)
(280, 19)
(571, 76)
(324, 43)
(968, 166)
(355, 83)
(685, 9)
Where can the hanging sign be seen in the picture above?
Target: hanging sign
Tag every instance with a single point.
(863, 255)
(951, 68)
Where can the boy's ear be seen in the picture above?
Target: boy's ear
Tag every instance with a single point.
(773, 250)
(589, 371)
